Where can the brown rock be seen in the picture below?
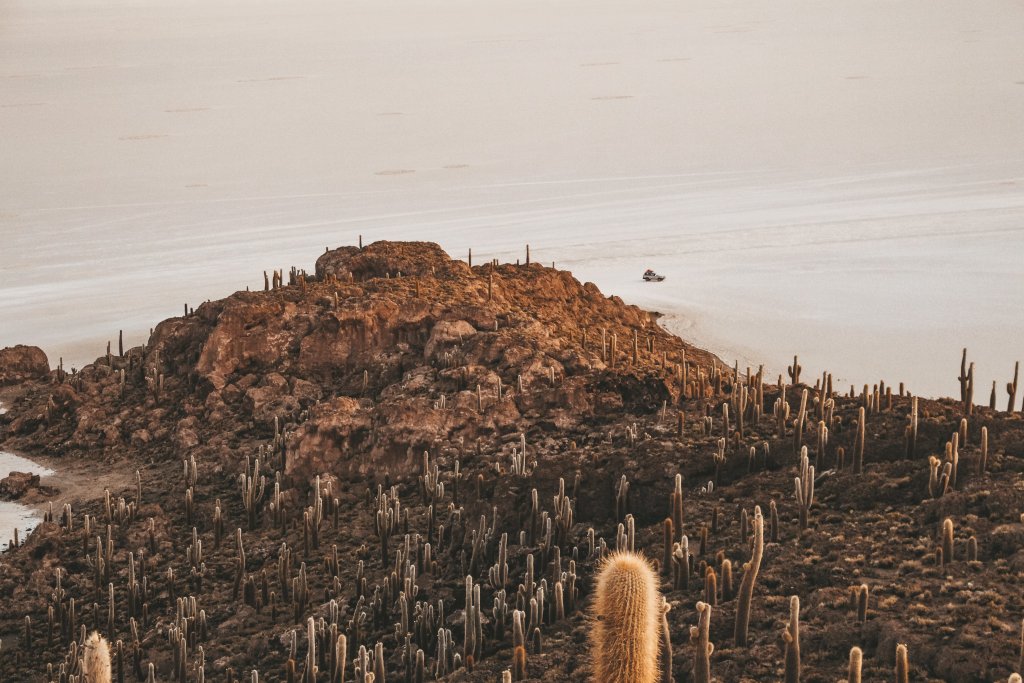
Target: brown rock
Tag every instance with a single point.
(446, 333)
(272, 398)
(330, 439)
(1006, 539)
(20, 363)
(141, 437)
(387, 259)
(17, 484)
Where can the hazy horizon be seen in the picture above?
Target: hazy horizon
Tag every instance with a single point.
(844, 181)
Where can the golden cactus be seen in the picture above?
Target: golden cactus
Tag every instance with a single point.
(97, 659)
(902, 666)
(856, 659)
(627, 608)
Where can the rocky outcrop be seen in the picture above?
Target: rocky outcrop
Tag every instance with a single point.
(21, 363)
(390, 350)
(387, 259)
(17, 484)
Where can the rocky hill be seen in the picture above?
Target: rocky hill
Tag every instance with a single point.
(431, 459)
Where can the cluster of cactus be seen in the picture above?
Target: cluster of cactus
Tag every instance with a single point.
(458, 544)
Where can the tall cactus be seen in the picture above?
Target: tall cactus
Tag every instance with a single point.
(794, 371)
(750, 570)
(1011, 389)
(791, 636)
(624, 641)
(911, 429)
(253, 486)
(858, 448)
(699, 637)
(804, 485)
(666, 644)
(963, 378)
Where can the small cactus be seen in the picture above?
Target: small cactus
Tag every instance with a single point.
(862, 603)
(519, 663)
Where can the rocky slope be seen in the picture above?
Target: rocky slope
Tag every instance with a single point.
(332, 428)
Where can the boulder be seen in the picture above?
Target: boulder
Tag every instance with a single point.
(387, 259)
(21, 363)
(17, 484)
(446, 333)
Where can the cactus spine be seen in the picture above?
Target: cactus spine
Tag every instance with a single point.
(625, 637)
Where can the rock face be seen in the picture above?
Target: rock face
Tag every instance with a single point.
(20, 363)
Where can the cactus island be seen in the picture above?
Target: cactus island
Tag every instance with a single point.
(403, 467)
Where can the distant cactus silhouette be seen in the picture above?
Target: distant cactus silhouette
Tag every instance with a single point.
(794, 371)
